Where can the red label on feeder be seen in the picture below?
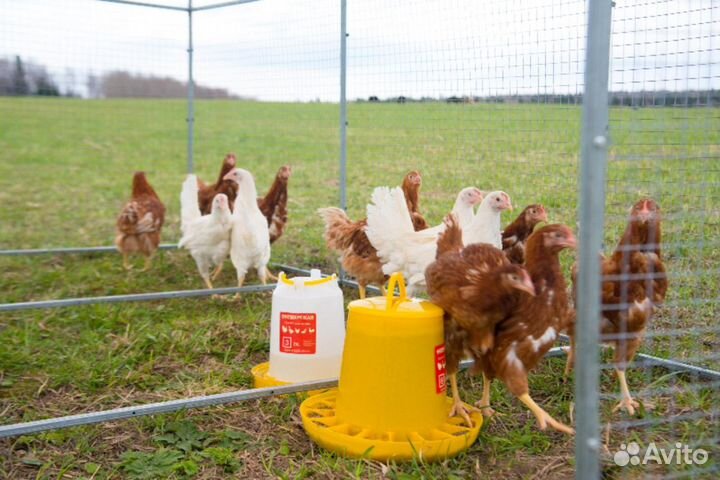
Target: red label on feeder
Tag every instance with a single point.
(440, 372)
(298, 333)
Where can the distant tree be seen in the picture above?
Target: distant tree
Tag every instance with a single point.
(44, 86)
(19, 82)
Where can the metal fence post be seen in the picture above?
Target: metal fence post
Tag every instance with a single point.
(343, 104)
(191, 91)
(592, 201)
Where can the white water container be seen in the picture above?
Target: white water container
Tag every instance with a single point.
(307, 328)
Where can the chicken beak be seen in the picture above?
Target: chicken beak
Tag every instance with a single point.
(570, 241)
(527, 286)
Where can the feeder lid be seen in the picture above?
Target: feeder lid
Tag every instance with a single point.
(402, 306)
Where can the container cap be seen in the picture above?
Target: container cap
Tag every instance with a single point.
(314, 280)
(391, 306)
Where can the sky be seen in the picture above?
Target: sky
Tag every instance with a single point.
(288, 50)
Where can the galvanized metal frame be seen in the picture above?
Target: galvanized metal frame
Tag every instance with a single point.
(593, 164)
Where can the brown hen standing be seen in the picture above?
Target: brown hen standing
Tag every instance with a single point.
(274, 204)
(206, 193)
(477, 287)
(357, 255)
(515, 235)
(140, 222)
(628, 302)
(523, 338)
(411, 188)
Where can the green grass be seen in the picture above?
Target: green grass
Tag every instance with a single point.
(65, 170)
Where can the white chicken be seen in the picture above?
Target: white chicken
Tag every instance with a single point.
(207, 237)
(401, 249)
(485, 226)
(463, 210)
(250, 238)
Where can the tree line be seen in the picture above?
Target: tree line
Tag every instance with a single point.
(21, 78)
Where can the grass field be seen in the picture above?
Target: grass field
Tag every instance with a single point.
(65, 170)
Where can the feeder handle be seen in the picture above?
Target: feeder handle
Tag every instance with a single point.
(395, 279)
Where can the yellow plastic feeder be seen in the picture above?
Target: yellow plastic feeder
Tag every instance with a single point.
(391, 401)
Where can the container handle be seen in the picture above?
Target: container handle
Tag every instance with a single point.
(395, 279)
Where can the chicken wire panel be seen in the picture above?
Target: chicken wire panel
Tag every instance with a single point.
(469, 93)
(664, 123)
(281, 60)
(71, 134)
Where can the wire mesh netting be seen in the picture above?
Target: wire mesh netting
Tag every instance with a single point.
(485, 94)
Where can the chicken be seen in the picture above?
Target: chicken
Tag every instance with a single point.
(476, 286)
(528, 331)
(206, 193)
(207, 237)
(411, 188)
(628, 302)
(401, 249)
(485, 226)
(357, 255)
(250, 237)
(515, 234)
(274, 204)
(140, 222)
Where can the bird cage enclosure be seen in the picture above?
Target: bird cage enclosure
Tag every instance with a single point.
(583, 107)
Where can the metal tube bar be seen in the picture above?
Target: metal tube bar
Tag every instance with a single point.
(52, 251)
(594, 142)
(343, 104)
(191, 92)
(175, 405)
(136, 297)
(223, 4)
(145, 4)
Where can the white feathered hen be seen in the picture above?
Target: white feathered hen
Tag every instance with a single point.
(401, 249)
(485, 226)
(207, 237)
(250, 238)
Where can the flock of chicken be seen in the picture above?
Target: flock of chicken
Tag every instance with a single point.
(503, 291)
(217, 220)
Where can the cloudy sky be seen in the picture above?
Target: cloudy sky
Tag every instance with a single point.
(289, 49)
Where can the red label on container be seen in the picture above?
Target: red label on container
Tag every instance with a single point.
(298, 333)
(440, 372)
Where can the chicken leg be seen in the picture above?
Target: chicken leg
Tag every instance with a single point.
(126, 262)
(270, 275)
(459, 408)
(543, 418)
(570, 360)
(148, 262)
(627, 403)
(361, 290)
(217, 271)
(484, 403)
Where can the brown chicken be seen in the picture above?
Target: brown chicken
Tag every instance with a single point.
(274, 204)
(523, 338)
(515, 235)
(635, 281)
(206, 193)
(411, 187)
(476, 286)
(357, 255)
(140, 222)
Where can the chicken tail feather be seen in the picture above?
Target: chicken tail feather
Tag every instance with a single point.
(451, 239)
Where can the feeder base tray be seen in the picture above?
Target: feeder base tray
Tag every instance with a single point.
(328, 431)
(262, 379)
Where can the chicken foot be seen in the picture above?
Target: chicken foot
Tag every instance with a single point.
(628, 403)
(126, 261)
(148, 262)
(570, 360)
(543, 418)
(484, 403)
(459, 408)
